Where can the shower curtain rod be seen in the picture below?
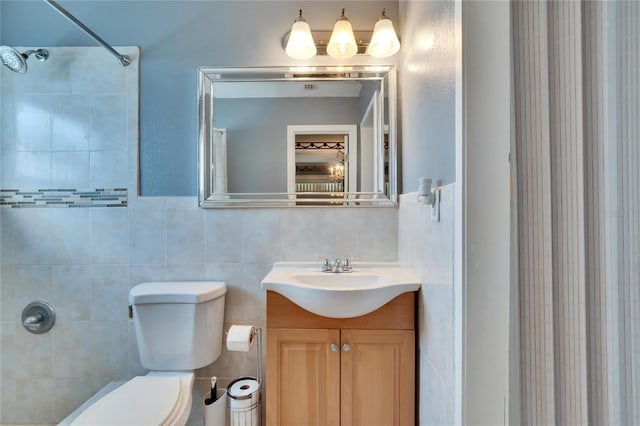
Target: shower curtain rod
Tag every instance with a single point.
(124, 59)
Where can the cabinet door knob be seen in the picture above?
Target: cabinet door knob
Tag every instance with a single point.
(346, 347)
(334, 347)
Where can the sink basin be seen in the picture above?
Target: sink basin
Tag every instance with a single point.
(342, 280)
(340, 295)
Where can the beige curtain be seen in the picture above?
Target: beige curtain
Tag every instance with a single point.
(576, 80)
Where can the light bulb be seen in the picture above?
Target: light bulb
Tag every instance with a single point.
(342, 43)
(384, 41)
(300, 44)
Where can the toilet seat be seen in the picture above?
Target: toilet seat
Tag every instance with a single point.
(143, 400)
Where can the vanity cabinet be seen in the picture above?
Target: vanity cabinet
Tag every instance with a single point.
(330, 371)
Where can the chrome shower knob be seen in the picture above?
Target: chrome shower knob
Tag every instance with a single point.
(38, 317)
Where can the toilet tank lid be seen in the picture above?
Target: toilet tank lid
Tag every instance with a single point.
(176, 292)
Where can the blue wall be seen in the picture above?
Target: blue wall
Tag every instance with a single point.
(175, 37)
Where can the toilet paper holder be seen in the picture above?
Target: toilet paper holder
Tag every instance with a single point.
(257, 337)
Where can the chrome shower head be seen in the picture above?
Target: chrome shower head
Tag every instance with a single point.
(16, 61)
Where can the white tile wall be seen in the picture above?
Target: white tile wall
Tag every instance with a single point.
(426, 248)
(223, 235)
(66, 122)
(86, 274)
(84, 261)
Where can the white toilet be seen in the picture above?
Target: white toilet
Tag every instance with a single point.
(179, 329)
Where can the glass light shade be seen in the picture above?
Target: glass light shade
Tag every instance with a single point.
(384, 41)
(342, 43)
(301, 44)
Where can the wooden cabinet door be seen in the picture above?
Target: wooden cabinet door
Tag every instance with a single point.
(303, 377)
(377, 377)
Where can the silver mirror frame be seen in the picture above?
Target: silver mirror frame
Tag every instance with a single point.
(207, 76)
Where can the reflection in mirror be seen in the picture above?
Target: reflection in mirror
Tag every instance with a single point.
(296, 137)
(322, 162)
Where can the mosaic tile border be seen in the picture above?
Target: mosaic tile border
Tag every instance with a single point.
(47, 198)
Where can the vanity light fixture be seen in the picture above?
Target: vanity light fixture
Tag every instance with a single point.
(384, 41)
(343, 42)
(300, 44)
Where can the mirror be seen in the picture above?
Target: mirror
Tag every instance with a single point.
(297, 137)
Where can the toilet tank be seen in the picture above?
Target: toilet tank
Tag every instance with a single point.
(178, 324)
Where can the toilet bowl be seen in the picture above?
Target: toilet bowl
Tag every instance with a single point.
(178, 329)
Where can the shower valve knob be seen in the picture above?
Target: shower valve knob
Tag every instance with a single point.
(38, 317)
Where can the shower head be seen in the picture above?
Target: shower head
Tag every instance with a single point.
(17, 61)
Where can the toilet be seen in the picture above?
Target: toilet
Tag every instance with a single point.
(179, 328)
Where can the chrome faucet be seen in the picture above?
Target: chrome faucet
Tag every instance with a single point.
(338, 266)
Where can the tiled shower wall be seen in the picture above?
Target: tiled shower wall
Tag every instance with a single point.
(68, 123)
(84, 261)
(426, 248)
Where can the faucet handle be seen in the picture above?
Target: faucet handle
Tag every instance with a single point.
(326, 266)
(346, 266)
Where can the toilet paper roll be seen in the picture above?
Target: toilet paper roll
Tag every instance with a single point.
(244, 393)
(240, 338)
